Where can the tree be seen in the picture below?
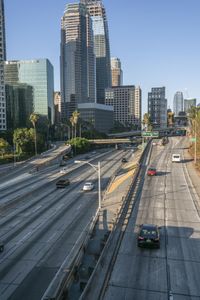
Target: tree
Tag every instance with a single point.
(34, 118)
(74, 121)
(4, 145)
(170, 119)
(194, 118)
(80, 144)
(147, 121)
(23, 138)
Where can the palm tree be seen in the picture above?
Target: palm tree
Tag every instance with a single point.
(72, 123)
(75, 116)
(34, 118)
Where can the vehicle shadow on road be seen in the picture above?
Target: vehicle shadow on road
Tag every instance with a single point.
(161, 173)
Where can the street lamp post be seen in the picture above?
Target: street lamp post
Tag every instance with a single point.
(98, 170)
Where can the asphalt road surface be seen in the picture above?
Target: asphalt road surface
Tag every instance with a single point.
(168, 200)
(40, 224)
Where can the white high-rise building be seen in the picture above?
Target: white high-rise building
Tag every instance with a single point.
(2, 59)
(178, 103)
(116, 71)
(126, 101)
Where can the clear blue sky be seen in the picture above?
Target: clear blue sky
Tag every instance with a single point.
(158, 41)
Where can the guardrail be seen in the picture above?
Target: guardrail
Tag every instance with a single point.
(64, 276)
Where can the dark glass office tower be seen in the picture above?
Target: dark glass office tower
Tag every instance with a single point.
(78, 81)
(2, 59)
(157, 107)
(101, 46)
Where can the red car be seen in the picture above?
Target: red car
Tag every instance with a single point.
(151, 172)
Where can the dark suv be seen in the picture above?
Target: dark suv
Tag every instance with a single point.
(124, 160)
(1, 246)
(148, 236)
(62, 183)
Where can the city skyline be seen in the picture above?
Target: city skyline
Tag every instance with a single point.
(157, 46)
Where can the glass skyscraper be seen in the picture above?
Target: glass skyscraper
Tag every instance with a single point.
(35, 76)
(157, 107)
(2, 59)
(101, 46)
(178, 103)
(78, 81)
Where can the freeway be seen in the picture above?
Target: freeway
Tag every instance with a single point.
(40, 224)
(170, 201)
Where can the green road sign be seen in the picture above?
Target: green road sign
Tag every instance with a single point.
(150, 134)
(192, 139)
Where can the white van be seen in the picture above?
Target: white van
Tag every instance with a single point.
(176, 157)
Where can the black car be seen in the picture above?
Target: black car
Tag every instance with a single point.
(124, 160)
(148, 236)
(1, 246)
(62, 183)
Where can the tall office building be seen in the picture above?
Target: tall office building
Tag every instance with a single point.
(116, 72)
(188, 103)
(157, 107)
(178, 103)
(35, 76)
(101, 46)
(126, 101)
(78, 81)
(2, 59)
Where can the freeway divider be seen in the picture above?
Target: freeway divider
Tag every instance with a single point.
(106, 261)
(64, 276)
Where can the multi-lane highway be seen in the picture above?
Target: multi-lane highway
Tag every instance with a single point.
(40, 224)
(168, 200)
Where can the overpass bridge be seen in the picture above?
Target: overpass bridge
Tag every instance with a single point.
(114, 141)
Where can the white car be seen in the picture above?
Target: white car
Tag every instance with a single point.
(88, 186)
(63, 170)
(176, 157)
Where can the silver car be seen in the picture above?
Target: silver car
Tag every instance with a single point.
(88, 186)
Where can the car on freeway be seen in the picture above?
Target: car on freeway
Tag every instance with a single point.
(63, 170)
(88, 186)
(151, 171)
(1, 246)
(148, 236)
(62, 183)
(176, 157)
(124, 160)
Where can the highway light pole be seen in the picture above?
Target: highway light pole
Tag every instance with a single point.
(98, 170)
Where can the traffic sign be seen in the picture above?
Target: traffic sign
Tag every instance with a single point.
(150, 134)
